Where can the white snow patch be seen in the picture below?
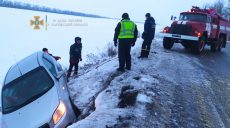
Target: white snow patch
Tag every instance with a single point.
(100, 119)
(108, 99)
(143, 98)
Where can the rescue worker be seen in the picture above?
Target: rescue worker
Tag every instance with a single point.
(126, 34)
(75, 56)
(47, 51)
(147, 35)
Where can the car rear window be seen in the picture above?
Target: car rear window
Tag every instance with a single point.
(25, 89)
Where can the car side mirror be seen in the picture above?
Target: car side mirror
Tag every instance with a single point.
(173, 17)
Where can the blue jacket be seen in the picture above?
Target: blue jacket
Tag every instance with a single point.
(75, 52)
(149, 29)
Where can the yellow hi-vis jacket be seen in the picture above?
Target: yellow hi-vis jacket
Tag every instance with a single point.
(127, 29)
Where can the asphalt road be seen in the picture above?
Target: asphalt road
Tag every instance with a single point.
(217, 66)
(199, 90)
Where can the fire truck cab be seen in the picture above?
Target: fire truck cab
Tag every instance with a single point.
(197, 28)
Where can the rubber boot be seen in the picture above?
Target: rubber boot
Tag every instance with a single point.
(142, 54)
(146, 54)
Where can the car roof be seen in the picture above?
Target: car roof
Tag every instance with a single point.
(24, 66)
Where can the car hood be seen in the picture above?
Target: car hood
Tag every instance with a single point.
(35, 114)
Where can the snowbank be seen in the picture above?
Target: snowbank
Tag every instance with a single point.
(98, 93)
(162, 91)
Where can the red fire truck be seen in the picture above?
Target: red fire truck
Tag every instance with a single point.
(197, 28)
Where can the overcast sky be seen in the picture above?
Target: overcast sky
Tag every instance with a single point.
(160, 9)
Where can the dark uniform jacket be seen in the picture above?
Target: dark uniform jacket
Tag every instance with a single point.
(75, 52)
(149, 29)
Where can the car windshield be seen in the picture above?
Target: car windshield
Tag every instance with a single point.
(193, 17)
(25, 89)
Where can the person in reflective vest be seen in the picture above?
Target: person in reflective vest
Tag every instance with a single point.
(126, 34)
(148, 35)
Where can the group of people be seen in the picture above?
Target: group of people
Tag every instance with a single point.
(125, 36)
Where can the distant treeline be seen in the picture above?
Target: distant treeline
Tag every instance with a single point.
(26, 6)
(222, 7)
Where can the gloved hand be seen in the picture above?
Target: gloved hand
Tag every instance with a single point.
(80, 59)
(115, 43)
(57, 57)
(143, 35)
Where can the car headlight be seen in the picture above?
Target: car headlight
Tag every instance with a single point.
(59, 112)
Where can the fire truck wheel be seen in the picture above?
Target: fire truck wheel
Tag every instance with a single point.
(197, 49)
(221, 43)
(167, 43)
(214, 47)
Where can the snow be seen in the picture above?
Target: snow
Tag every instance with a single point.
(20, 40)
(159, 79)
(143, 98)
(107, 112)
(98, 88)
(92, 84)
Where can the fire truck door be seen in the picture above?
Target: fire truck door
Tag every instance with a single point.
(214, 27)
(208, 26)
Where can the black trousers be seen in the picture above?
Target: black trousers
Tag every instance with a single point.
(75, 65)
(124, 56)
(146, 46)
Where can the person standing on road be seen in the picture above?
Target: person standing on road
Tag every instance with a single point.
(147, 35)
(126, 34)
(75, 56)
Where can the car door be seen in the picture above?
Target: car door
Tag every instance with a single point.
(59, 74)
(62, 79)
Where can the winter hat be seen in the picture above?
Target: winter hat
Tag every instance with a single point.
(148, 15)
(77, 38)
(44, 49)
(125, 16)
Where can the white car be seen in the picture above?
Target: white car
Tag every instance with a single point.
(35, 95)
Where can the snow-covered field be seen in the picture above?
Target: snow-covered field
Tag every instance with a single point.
(169, 89)
(172, 88)
(19, 39)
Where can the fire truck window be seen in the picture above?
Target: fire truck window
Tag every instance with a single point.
(209, 19)
(214, 20)
(193, 17)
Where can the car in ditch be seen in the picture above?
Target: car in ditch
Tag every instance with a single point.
(35, 95)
